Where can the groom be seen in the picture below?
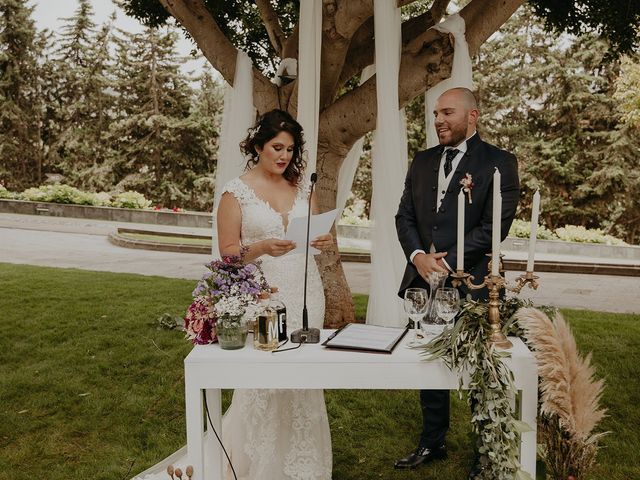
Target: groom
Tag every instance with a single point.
(426, 223)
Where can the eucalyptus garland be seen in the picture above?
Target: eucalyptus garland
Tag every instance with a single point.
(466, 349)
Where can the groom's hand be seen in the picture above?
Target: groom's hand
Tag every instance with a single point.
(426, 263)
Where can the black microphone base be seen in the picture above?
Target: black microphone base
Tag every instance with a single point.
(309, 335)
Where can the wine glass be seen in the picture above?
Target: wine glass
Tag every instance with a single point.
(430, 322)
(415, 305)
(447, 301)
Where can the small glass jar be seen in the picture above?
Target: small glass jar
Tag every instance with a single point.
(265, 332)
(231, 331)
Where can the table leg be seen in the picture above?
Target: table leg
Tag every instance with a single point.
(214, 404)
(195, 428)
(528, 415)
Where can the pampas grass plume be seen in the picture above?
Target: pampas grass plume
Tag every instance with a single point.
(568, 387)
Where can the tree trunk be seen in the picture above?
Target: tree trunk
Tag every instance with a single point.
(338, 301)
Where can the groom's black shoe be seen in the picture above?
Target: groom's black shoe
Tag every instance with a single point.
(421, 456)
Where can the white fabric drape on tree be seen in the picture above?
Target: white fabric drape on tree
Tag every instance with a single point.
(310, 42)
(350, 163)
(461, 75)
(389, 166)
(238, 116)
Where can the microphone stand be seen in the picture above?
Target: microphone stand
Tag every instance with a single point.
(306, 334)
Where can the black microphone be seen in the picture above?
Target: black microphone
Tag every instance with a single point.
(306, 334)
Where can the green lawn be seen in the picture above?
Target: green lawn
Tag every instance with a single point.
(91, 388)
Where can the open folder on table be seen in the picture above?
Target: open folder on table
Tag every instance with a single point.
(370, 338)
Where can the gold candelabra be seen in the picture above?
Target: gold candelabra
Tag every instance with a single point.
(494, 284)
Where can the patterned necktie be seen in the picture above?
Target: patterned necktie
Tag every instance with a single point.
(451, 154)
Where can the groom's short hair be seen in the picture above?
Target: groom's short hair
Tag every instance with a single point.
(467, 96)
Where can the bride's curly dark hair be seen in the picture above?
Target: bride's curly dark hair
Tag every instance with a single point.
(267, 127)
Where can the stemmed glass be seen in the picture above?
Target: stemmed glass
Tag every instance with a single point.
(430, 321)
(447, 302)
(415, 305)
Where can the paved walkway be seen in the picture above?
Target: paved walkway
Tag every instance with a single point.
(79, 243)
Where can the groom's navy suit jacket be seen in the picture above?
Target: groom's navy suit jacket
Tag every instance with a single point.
(419, 223)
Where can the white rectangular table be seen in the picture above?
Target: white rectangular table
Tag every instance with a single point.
(210, 368)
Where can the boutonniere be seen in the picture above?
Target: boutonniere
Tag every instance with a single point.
(467, 185)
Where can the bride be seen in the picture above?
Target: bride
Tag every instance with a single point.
(275, 434)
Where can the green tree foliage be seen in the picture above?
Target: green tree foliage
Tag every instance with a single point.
(107, 111)
(239, 20)
(206, 110)
(78, 102)
(158, 147)
(617, 20)
(551, 103)
(628, 90)
(21, 107)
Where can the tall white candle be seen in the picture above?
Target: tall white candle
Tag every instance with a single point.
(460, 249)
(535, 213)
(497, 215)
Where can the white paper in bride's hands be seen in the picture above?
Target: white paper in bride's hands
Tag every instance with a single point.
(297, 230)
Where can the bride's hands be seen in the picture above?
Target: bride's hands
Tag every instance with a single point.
(322, 242)
(276, 247)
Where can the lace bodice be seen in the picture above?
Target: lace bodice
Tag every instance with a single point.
(259, 220)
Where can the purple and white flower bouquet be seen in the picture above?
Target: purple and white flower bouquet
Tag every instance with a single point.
(229, 287)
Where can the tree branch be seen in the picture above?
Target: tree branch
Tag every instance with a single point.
(272, 24)
(290, 47)
(354, 114)
(217, 48)
(484, 17)
(438, 10)
(362, 50)
(340, 20)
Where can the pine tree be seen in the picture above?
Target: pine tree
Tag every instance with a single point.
(20, 104)
(157, 147)
(207, 113)
(78, 97)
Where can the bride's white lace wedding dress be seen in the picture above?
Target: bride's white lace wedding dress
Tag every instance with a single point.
(279, 434)
(275, 434)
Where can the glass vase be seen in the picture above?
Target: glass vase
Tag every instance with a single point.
(231, 331)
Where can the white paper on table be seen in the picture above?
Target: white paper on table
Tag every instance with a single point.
(297, 230)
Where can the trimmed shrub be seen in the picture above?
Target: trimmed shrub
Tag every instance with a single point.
(568, 233)
(4, 193)
(522, 229)
(130, 199)
(354, 214)
(573, 233)
(60, 193)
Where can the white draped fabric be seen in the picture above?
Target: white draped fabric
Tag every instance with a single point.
(461, 75)
(238, 116)
(288, 66)
(350, 163)
(388, 171)
(309, 77)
